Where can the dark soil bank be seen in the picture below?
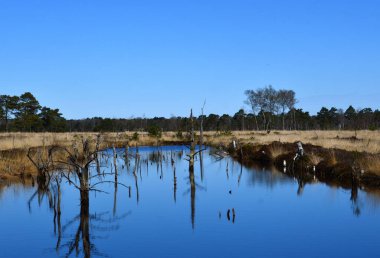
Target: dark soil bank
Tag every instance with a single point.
(332, 166)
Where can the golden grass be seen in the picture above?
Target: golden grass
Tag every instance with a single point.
(276, 150)
(370, 163)
(16, 161)
(368, 141)
(14, 146)
(314, 158)
(332, 158)
(9, 141)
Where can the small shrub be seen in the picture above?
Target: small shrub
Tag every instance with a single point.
(372, 128)
(154, 131)
(135, 136)
(226, 133)
(179, 135)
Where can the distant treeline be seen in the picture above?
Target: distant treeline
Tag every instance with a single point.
(269, 110)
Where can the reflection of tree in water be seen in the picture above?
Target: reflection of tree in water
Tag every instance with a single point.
(267, 177)
(301, 184)
(42, 159)
(354, 200)
(192, 197)
(46, 189)
(171, 158)
(78, 162)
(89, 228)
(192, 190)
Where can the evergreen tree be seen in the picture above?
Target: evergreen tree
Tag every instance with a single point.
(8, 106)
(52, 120)
(26, 116)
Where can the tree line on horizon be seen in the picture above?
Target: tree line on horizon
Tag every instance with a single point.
(270, 109)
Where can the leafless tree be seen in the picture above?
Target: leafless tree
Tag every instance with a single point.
(286, 101)
(201, 139)
(269, 101)
(254, 99)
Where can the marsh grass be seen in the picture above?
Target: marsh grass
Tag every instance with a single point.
(362, 141)
(370, 163)
(14, 146)
(314, 158)
(332, 159)
(15, 161)
(276, 150)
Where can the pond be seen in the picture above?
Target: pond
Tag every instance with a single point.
(159, 209)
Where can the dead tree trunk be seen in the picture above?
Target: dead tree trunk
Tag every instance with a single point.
(192, 143)
(115, 162)
(201, 143)
(43, 163)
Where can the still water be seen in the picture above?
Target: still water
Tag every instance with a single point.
(159, 210)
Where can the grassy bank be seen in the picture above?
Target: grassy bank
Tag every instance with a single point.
(14, 146)
(335, 166)
(360, 141)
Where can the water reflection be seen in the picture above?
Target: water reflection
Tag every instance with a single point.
(139, 179)
(89, 227)
(192, 196)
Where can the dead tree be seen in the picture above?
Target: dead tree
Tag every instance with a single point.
(79, 161)
(201, 141)
(193, 153)
(137, 162)
(97, 148)
(192, 143)
(43, 162)
(115, 162)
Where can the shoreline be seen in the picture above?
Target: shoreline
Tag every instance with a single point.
(331, 166)
(343, 165)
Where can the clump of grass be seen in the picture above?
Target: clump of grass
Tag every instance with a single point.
(179, 134)
(135, 136)
(332, 160)
(276, 150)
(314, 158)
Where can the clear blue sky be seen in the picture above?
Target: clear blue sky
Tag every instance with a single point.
(160, 58)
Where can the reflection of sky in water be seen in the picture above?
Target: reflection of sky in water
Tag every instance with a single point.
(271, 218)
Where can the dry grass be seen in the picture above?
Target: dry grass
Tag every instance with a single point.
(16, 161)
(370, 163)
(368, 141)
(314, 158)
(276, 150)
(10, 141)
(332, 160)
(13, 146)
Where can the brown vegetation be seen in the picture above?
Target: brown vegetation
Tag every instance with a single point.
(329, 165)
(277, 145)
(361, 141)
